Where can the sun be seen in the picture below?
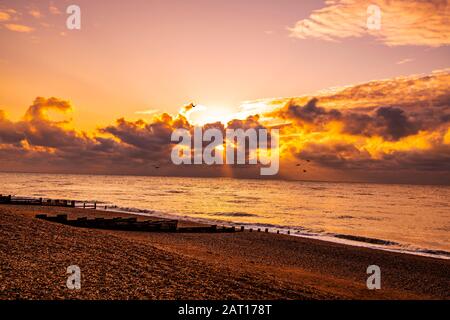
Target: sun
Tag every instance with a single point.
(201, 114)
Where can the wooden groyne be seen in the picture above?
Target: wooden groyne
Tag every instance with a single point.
(207, 229)
(126, 224)
(132, 224)
(36, 201)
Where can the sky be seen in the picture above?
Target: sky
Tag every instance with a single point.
(274, 59)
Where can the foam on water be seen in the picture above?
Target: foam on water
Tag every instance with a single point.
(405, 218)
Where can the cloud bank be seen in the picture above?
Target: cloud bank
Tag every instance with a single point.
(395, 130)
(403, 22)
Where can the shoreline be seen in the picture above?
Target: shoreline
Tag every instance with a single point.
(226, 177)
(332, 238)
(345, 239)
(241, 265)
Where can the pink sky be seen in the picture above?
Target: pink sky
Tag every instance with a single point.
(72, 100)
(139, 55)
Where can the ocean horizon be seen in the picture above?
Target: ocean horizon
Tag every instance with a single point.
(398, 217)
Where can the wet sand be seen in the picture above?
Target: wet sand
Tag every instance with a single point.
(34, 256)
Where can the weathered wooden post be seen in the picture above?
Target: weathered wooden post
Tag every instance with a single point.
(267, 230)
(61, 217)
(95, 205)
(289, 231)
(81, 221)
(84, 205)
(259, 229)
(278, 231)
(242, 228)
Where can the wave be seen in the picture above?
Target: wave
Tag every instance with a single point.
(234, 214)
(345, 217)
(300, 231)
(366, 240)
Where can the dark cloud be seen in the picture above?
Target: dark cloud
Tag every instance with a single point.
(345, 156)
(251, 122)
(337, 155)
(140, 135)
(10, 133)
(309, 113)
(391, 123)
(366, 128)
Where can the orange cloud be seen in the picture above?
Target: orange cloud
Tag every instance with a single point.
(35, 13)
(4, 16)
(18, 28)
(54, 10)
(403, 22)
(398, 127)
(38, 110)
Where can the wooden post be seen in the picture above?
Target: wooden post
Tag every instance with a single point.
(278, 231)
(242, 228)
(84, 205)
(267, 230)
(251, 230)
(61, 217)
(259, 229)
(95, 205)
(289, 231)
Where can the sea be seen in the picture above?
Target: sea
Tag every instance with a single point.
(412, 219)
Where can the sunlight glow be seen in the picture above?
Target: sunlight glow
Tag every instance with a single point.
(201, 115)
